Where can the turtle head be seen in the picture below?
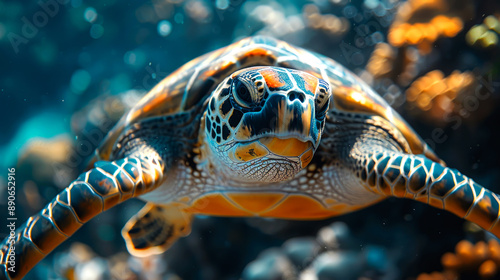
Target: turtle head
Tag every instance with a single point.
(263, 124)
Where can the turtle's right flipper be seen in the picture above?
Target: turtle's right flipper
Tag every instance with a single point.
(155, 228)
(97, 190)
(421, 179)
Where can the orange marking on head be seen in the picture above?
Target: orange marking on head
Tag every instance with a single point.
(272, 78)
(249, 152)
(216, 204)
(291, 147)
(310, 82)
(306, 120)
(256, 202)
(299, 207)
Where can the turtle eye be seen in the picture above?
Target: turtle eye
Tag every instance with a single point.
(322, 99)
(242, 93)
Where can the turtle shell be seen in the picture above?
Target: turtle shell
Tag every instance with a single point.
(191, 84)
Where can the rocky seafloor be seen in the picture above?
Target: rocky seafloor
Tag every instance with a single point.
(69, 69)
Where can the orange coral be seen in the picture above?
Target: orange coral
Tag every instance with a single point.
(424, 34)
(437, 96)
(398, 65)
(381, 60)
(422, 22)
(484, 35)
(481, 259)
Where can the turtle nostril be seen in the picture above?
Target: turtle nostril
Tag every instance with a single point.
(296, 95)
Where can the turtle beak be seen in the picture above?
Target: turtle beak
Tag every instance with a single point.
(283, 118)
(290, 148)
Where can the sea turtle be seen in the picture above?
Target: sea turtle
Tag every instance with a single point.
(259, 128)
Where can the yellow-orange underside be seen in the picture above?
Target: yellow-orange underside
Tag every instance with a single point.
(271, 205)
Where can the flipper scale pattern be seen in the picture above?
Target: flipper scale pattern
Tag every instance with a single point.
(418, 178)
(93, 192)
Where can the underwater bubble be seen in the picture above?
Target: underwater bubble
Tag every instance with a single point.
(164, 28)
(134, 58)
(80, 81)
(380, 11)
(96, 31)
(129, 58)
(357, 58)
(90, 14)
(377, 37)
(350, 11)
(222, 4)
(360, 42)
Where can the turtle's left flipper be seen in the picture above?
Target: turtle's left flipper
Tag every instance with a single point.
(155, 228)
(95, 191)
(418, 178)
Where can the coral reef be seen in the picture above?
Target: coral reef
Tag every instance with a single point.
(469, 261)
(424, 34)
(422, 22)
(436, 97)
(484, 35)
